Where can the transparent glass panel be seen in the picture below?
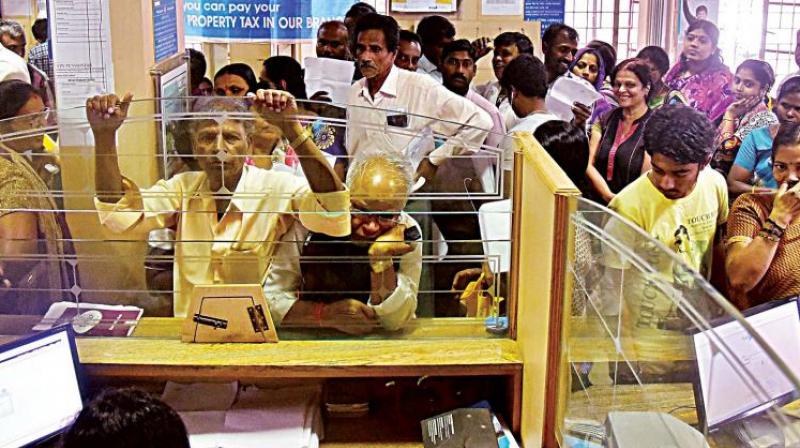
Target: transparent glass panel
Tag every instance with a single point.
(652, 351)
(138, 213)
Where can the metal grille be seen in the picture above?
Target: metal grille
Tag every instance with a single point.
(783, 22)
(612, 21)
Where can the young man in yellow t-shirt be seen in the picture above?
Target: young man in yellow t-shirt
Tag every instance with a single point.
(682, 203)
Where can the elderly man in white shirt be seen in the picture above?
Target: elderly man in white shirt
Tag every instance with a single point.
(409, 103)
(362, 282)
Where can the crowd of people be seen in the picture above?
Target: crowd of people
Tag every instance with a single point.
(679, 149)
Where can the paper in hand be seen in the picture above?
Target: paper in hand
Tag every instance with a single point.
(329, 75)
(566, 91)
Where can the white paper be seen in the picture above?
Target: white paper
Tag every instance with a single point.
(420, 146)
(424, 5)
(501, 7)
(200, 396)
(80, 36)
(566, 91)
(495, 222)
(329, 75)
(285, 417)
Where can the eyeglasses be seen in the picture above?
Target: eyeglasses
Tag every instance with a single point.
(383, 218)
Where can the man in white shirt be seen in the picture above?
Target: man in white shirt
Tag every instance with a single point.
(435, 32)
(409, 103)
(507, 46)
(361, 282)
(527, 79)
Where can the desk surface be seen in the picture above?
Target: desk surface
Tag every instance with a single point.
(591, 340)
(428, 347)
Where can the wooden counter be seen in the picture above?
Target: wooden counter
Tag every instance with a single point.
(591, 340)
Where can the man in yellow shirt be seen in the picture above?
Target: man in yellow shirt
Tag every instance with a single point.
(678, 202)
(681, 203)
(228, 216)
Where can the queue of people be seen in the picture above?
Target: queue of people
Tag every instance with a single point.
(666, 147)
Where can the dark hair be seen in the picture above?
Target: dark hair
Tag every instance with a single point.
(410, 36)
(126, 418)
(790, 85)
(607, 52)
(761, 70)
(713, 33)
(432, 29)
(197, 66)
(359, 10)
(389, 26)
(40, 30)
(680, 133)
(523, 43)
(241, 70)
(568, 145)
(13, 96)
(708, 27)
(788, 135)
(332, 23)
(657, 56)
(284, 68)
(526, 74)
(554, 30)
(701, 8)
(459, 45)
(639, 67)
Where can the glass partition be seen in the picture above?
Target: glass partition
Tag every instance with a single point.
(653, 355)
(135, 210)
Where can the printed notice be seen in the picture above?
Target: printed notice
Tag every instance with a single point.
(547, 12)
(165, 29)
(501, 7)
(80, 34)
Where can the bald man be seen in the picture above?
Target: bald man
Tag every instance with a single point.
(359, 283)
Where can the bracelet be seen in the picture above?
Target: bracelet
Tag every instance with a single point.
(317, 312)
(305, 135)
(772, 231)
(769, 236)
(775, 224)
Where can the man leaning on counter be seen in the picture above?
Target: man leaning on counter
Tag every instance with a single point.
(229, 215)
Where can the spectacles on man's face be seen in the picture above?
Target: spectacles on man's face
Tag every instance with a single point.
(384, 219)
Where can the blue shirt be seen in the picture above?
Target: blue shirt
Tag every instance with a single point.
(755, 155)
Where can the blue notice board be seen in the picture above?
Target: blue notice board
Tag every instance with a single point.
(165, 29)
(259, 20)
(545, 11)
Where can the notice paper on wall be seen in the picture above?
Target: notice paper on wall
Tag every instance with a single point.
(501, 7)
(329, 75)
(424, 6)
(80, 36)
(545, 12)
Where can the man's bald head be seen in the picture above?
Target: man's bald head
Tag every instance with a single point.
(380, 182)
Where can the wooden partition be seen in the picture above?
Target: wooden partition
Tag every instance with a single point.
(541, 213)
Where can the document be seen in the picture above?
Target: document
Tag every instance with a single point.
(80, 38)
(501, 7)
(329, 75)
(92, 319)
(566, 91)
